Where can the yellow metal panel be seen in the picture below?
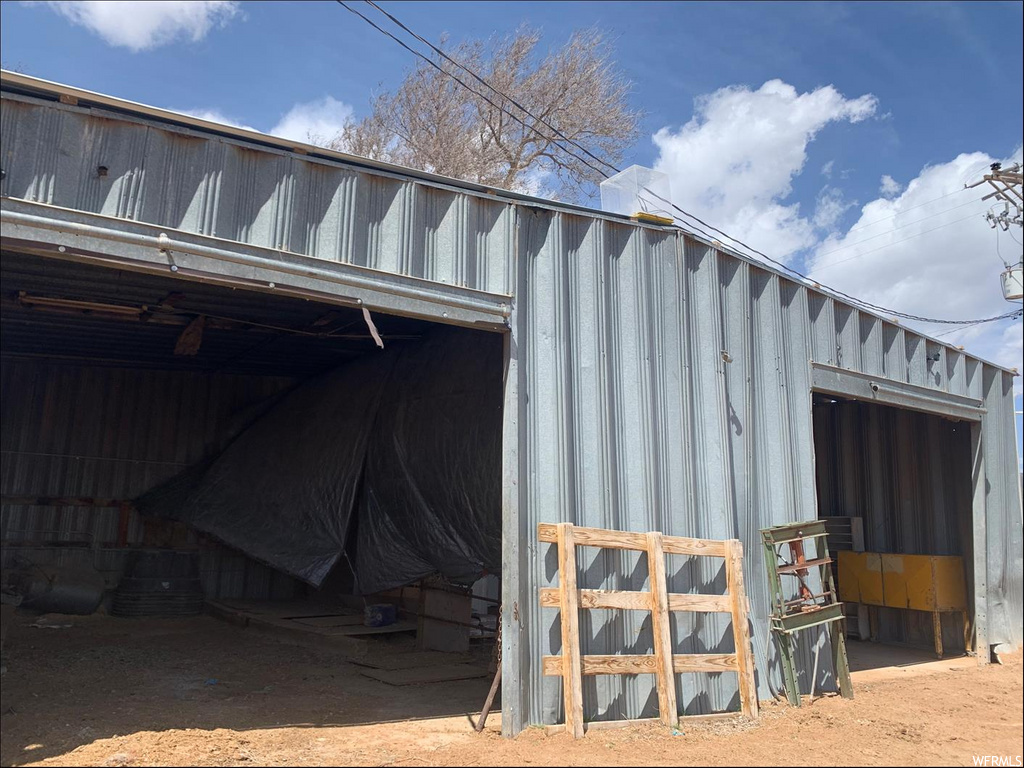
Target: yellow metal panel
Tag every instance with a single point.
(871, 589)
(950, 587)
(849, 566)
(860, 577)
(907, 580)
(894, 586)
(917, 582)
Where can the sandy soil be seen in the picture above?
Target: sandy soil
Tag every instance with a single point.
(109, 692)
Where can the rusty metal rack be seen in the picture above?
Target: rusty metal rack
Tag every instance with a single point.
(807, 609)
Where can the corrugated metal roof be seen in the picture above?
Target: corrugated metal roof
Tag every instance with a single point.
(116, 165)
(16, 82)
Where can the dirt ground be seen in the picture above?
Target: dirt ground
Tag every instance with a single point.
(117, 692)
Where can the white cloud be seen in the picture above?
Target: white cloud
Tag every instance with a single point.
(215, 116)
(826, 169)
(536, 182)
(1011, 350)
(931, 253)
(314, 121)
(889, 187)
(734, 162)
(830, 207)
(150, 24)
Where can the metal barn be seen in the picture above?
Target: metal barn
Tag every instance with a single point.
(645, 380)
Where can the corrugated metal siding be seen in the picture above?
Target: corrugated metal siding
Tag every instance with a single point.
(224, 573)
(221, 187)
(1005, 567)
(668, 387)
(103, 432)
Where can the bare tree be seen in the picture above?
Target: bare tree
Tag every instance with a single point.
(433, 123)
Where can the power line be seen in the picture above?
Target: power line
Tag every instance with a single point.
(454, 77)
(691, 229)
(887, 245)
(901, 226)
(1015, 314)
(512, 101)
(534, 128)
(853, 299)
(911, 208)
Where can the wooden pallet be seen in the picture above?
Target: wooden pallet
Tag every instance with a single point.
(569, 599)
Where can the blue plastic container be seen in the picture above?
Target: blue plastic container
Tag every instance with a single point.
(379, 615)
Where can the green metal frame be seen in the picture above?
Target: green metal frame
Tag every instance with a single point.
(786, 622)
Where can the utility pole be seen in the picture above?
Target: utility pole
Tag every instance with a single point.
(1006, 184)
(1006, 187)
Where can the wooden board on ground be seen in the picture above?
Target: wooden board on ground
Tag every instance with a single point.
(328, 621)
(423, 675)
(285, 609)
(359, 629)
(297, 618)
(413, 659)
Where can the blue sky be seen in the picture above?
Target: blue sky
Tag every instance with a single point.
(898, 105)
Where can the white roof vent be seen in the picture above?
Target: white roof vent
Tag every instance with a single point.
(637, 190)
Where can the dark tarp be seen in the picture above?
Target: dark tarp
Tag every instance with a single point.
(431, 499)
(409, 436)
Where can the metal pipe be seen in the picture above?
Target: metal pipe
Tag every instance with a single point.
(971, 412)
(482, 721)
(814, 673)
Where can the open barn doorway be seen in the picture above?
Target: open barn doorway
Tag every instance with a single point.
(894, 487)
(312, 473)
